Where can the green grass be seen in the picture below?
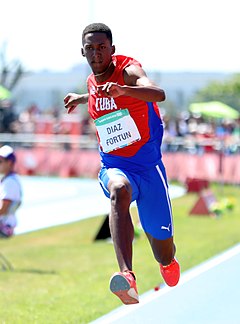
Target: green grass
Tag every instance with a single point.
(61, 275)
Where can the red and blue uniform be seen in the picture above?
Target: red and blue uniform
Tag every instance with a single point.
(140, 161)
(144, 153)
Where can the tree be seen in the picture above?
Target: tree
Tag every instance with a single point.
(227, 92)
(10, 74)
(10, 71)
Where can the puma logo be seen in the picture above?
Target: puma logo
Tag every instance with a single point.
(166, 228)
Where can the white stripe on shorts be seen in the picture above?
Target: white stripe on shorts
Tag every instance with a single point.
(167, 195)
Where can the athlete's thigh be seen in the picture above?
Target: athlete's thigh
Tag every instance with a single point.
(154, 205)
(110, 174)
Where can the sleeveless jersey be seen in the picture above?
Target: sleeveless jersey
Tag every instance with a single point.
(129, 130)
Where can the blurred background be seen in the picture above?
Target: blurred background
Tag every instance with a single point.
(189, 49)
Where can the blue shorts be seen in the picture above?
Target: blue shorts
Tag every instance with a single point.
(150, 191)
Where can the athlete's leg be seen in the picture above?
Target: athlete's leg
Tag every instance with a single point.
(120, 222)
(121, 189)
(163, 250)
(156, 217)
(118, 188)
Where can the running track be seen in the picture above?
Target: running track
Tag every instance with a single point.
(206, 294)
(51, 201)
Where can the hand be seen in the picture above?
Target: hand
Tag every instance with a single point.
(111, 89)
(71, 101)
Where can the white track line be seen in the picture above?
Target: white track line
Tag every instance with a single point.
(185, 277)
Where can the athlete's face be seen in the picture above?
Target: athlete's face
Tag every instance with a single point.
(98, 51)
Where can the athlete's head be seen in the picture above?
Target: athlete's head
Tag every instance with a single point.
(97, 28)
(97, 47)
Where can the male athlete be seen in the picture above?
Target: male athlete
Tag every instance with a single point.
(122, 103)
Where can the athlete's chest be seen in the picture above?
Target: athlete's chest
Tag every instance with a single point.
(104, 104)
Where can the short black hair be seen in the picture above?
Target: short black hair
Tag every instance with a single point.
(98, 28)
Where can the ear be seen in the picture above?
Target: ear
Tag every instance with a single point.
(82, 50)
(113, 49)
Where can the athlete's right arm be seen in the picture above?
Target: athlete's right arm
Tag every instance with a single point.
(72, 100)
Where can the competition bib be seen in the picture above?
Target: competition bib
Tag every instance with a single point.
(116, 130)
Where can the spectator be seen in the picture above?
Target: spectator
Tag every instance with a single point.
(7, 117)
(10, 192)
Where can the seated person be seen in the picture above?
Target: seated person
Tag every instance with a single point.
(10, 192)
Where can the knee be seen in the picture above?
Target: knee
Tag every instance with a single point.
(120, 191)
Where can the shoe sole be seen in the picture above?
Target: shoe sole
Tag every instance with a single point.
(122, 289)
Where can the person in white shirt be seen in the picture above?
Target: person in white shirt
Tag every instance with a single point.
(10, 192)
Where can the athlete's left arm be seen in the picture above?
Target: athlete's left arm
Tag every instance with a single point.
(137, 85)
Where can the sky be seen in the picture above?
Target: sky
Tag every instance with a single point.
(169, 35)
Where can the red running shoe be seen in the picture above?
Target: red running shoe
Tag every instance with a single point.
(171, 273)
(123, 285)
